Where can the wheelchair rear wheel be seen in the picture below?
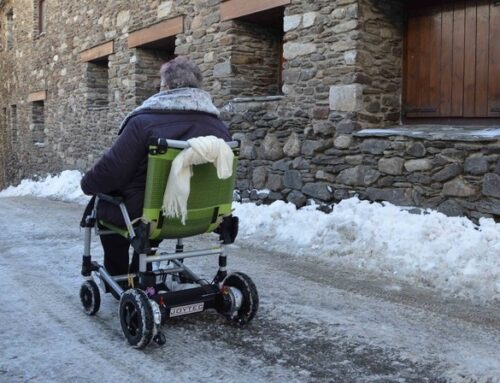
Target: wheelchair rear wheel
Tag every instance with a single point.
(90, 298)
(136, 318)
(250, 302)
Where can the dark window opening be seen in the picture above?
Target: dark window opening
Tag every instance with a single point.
(271, 18)
(42, 16)
(5, 120)
(97, 83)
(149, 58)
(13, 124)
(4, 126)
(10, 29)
(258, 59)
(38, 122)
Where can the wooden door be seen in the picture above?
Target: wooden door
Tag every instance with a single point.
(452, 59)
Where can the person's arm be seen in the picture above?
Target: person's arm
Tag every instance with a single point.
(118, 165)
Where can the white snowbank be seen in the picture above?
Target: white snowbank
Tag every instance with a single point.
(449, 253)
(62, 187)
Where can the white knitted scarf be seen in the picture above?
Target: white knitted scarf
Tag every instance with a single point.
(201, 150)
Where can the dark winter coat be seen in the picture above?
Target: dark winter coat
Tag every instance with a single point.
(122, 169)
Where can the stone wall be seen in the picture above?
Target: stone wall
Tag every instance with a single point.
(455, 174)
(87, 101)
(341, 73)
(322, 77)
(458, 172)
(379, 57)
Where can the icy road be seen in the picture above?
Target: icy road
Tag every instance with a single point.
(315, 324)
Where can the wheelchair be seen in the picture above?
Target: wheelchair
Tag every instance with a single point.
(165, 287)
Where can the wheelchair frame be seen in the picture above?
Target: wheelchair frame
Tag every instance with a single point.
(234, 296)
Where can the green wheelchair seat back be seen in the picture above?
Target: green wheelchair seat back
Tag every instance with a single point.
(209, 200)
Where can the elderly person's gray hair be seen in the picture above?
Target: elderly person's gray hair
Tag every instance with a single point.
(180, 73)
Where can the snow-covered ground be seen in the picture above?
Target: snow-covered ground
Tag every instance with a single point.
(315, 324)
(450, 254)
(355, 322)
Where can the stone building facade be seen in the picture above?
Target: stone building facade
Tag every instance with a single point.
(309, 87)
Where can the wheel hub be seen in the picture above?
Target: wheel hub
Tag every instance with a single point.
(87, 299)
(131, 319)
(234, 299)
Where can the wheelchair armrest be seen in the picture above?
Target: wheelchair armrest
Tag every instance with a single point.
(88, 219)
(111, 199)
(118, 201)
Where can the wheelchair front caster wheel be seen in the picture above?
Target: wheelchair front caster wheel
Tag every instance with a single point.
(160, 339)
(90, 298)
(136, 318)
(250, 297)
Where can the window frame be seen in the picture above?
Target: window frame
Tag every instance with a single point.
(9, 29)
(42, 17)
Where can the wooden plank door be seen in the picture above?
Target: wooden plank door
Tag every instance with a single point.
(482, 57)
(452, 65)
(422, 60)
(494, 62)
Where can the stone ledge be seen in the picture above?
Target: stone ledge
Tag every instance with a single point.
(97, 108)
(257, 99)
(437, 132)
(244, 104)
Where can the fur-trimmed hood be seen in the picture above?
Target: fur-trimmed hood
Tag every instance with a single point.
(180, 99)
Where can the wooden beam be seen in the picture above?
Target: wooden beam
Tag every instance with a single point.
(233, 9)
(98, 52)
(37, 96)
(167, 28)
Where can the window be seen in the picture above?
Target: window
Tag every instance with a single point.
(5, 120)
(258, 62)
(42, 16)
(257, 54)
(154, 46)
(97, 74)
(13, 124)
(97, 84)
(147, 70)
(38, 122)
(10, 30)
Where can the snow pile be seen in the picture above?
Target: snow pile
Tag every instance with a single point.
(449, 253)
(62, 187)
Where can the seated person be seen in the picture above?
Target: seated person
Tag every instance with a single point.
(180, 111)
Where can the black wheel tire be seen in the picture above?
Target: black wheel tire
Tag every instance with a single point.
(136, 318)
(250, 303)
(90, 297)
